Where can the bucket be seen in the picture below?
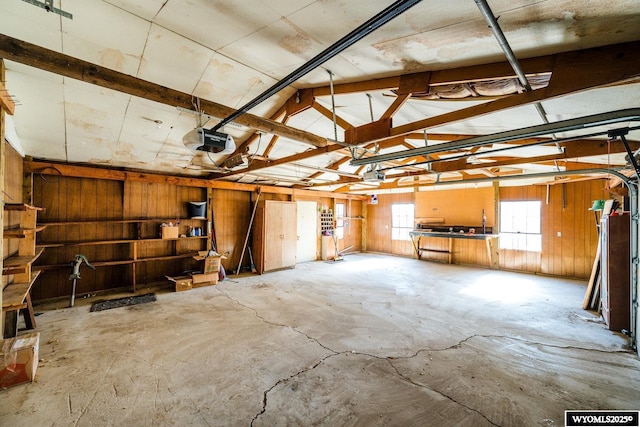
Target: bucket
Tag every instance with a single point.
(197, 209)
(598, 205)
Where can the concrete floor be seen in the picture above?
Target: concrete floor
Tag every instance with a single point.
(372, 340)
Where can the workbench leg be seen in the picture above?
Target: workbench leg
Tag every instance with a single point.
(29, 317)
(11, 324)
(492, 256)
(450, 249)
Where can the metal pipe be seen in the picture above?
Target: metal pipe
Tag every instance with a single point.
(333, 106)
(395, 9)
(511, 57)
(631, 114)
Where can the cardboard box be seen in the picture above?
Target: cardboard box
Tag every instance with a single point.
(204, 279)
(183, 283)
(211, 263)
(18, 359)
(169, 232)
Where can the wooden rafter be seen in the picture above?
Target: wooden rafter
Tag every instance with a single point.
(571, 72)
(64, 65)
(329, 115)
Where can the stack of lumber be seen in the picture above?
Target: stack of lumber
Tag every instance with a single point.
(592, 296)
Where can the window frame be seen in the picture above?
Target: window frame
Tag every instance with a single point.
(521, 228)
(400, 232)
(339, 230)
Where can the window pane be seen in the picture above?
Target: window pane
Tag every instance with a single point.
(402, 218)
(340, 220)
(520, 226)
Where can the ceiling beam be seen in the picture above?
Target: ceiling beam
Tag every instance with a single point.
(497, 70)
(329, 115)
(64, 169)
(571, 72)
(256, 165)
(64, 65)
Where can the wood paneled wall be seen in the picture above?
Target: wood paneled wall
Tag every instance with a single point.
(68, 199)
(231, 214)
(12, 194)
(88, 199)
(379, 225)
(456, 207)
(569, 234)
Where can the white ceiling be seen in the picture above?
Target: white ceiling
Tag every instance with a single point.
(229, 52)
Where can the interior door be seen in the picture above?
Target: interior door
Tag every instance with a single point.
(274, 235)
(307, 231)
(289, 232)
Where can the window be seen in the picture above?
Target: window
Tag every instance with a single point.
(520, 226)
(401, 221)
(340, 220)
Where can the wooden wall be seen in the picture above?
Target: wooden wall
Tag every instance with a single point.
(12, 194)
(569, 253)
(107, 203)
(456, 207)
(231, 214)
(77, 200)
(569, 234)
(379, 225)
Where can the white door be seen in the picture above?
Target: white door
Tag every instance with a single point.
(307, 230)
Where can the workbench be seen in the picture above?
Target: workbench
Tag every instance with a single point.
(490, 241)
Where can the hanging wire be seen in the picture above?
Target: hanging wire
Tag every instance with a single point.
(257, 148)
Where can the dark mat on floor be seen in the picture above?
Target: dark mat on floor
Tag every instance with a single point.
(122, 302)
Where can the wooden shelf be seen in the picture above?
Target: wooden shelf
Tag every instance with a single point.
(118, 262)
(17, 264)
(20, 233)
(21, 207)
(13, 295)
(113, 242)
(118, 221)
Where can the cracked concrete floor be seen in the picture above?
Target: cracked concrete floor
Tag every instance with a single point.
(372, 340)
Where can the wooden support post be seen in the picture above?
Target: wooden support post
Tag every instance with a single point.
(27, 312)
(2, 158)
(27, 188)
(495, 259)
(10, 327)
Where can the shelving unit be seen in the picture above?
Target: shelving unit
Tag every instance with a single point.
(326, 221)
(142, 237)
(16, 296)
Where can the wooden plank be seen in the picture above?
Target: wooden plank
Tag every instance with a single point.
(21, 233)
(19, 264)
(571, 73)
(58, 63)
(13, 296)
(595, 272)
(21, 207)
(6, 103)
(58, 169)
